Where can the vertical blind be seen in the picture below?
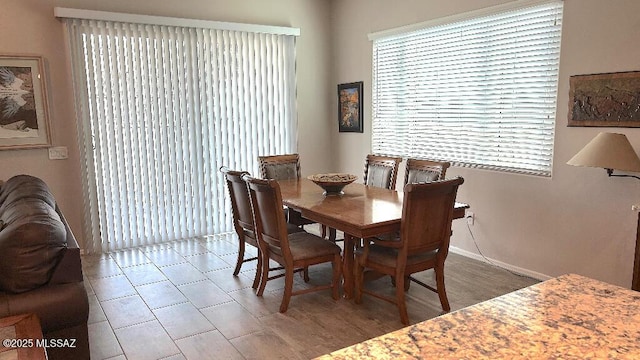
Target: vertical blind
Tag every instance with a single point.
(479, 92)
(160, 109)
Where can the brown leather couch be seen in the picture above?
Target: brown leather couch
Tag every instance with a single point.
(40, 268)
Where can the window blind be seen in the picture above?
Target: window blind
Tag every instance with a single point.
(479, 92)
(160, 109)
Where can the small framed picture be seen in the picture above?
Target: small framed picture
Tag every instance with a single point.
(24, 115)
(350, 107)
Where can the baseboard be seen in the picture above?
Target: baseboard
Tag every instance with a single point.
(515, 269)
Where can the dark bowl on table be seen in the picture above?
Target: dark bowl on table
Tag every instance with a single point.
(332, 183)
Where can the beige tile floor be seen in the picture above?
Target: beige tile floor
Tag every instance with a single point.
(180, 301)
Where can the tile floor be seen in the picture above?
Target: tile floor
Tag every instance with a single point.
(180, 301)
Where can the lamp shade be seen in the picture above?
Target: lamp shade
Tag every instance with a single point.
(608, 151)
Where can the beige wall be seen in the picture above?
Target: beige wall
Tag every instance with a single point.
(29, 27)
(578, 221)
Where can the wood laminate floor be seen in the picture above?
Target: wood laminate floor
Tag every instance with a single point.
(180, 301)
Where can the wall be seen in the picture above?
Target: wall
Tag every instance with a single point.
(578, 221)
(29, 27)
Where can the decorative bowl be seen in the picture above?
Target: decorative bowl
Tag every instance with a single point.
(332, 183)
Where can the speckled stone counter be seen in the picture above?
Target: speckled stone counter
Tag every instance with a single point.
(568, 317)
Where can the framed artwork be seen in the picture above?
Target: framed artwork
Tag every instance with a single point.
(350, 107)
(611, 100)
(24, 115)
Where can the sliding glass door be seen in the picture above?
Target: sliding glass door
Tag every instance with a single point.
(160, 109)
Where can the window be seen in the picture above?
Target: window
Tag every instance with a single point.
(478, 91)
(160, 109)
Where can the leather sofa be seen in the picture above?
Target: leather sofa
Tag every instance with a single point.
(40, 266)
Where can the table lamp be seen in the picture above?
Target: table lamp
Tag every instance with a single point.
(608, 151)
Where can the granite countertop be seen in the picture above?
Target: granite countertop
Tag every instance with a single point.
(568, 317)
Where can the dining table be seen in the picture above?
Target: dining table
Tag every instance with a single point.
(360, 212)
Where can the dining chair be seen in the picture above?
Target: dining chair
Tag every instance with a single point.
(280, 167)
(283, 167)
(425, 231)
(381, 171)
(419, 171)
(243, 221)
(294, 251)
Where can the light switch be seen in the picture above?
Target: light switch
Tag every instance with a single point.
(58, 153)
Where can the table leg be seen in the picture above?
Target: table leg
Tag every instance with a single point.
(347, 267)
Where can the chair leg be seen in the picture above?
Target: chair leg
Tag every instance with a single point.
(288, 289)
(337, 271)
(323, 230)
(241, 245)
(265, 273)
(258, 278)
(402, 306)
(305, 274)
(442, 292)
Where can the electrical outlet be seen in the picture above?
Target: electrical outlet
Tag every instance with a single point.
(471, 217)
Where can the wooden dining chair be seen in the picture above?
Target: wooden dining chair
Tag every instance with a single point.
(381, 171)
(425, 231)
(292, 251)
(243, 221)
(280, 167)
(283, 167)
(419, 171)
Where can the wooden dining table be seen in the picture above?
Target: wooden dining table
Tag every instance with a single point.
(360, 212)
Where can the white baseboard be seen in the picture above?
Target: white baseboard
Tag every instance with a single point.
(515, 269)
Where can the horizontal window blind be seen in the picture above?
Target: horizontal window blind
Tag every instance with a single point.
(160, 109)
(479, 92)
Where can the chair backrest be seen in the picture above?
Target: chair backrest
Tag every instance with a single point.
(240, 203)
(419, 171)
(427, 213)
(381, 171)
(280, 167)
(271, 228)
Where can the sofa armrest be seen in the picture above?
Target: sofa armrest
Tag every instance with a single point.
(58, 307)
(69, 268)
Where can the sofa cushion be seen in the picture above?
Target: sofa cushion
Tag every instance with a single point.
(32, 237)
